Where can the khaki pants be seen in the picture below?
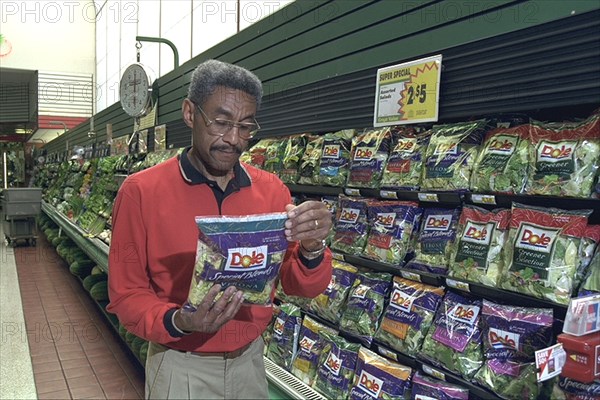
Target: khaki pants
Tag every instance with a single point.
(171, 374)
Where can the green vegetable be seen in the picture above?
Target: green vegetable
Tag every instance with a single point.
(99, 291)
(311, 161)
(90, 280)
(284, 342)
(292, 153)
(328, 305)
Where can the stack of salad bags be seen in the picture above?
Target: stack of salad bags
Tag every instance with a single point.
(283, 344)
(293, 150)
(542, 255)
(351, 225)
(328, 305)
(511, 336)
(335, 158)
(404, 165)
(310, 162)
(424, 387)
(370, 151)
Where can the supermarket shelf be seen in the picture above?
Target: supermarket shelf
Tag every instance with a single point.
(96, 249)
(289, 384)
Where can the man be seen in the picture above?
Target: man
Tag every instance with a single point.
(215, 352)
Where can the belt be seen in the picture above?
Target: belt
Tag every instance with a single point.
(224, 355)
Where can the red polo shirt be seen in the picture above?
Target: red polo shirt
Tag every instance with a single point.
(153, 250)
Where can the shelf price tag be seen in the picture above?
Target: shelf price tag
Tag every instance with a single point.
(387, 353)
(550, 361)
(388, 194)
(408, 93)
(434, 372)
(483, 199)
(410, 276)
(431, 197)
(458, 285)
(337, 256)
(352, 192)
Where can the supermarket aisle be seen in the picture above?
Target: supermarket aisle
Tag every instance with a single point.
(75, 353)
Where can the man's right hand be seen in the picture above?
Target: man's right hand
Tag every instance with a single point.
(210, 314)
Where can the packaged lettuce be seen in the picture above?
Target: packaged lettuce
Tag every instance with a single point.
(564, 158)
(587, 249)
(424, 388)
(310, 345)
(336, 367)
(292, 154)
(245, 251)
(379, 378)
(331, 202)
(477, 255)
(351, 225)
(511, 336)
(591, 282)
(541, 255)
(408, 315)
(256, 155)
(284, 341)
(369, 155)
(335, 158)
(450, 155)
(403, 169)
(569, 389)
(391, 224)
(365, 304)
(328, 305)
(274, 152)
(454, 339)
(435, 240)
(311, 161)
(503, 161)
(301, 302)
(268, 333)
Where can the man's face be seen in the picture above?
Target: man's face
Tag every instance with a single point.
(218, 154)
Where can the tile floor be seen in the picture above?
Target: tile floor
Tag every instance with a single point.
(75, 352)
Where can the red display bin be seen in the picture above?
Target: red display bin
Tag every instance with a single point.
(583, 356)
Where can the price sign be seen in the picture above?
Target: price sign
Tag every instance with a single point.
(408, 93)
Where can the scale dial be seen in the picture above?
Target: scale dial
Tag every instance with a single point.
(135, 91)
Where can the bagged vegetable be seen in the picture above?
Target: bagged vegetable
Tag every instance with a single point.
(328, 305)
(454, 339)
(515, 380)
(564, 158)
(569, 389)
(351, 225)
(336, 367)
(284, 341)
(257, 154)
(425, 388)
(477, 255)
(311, 161)
(391, 224)
(268, 333)
(379, 378)
(274, 152)
(292, 154)
(408, 315)
(591, 283)
(310, 345)
(331, 203)
(335, 158)
(542, 257)
(365, 304)
(435, 240)
(244, 251)
(301, 302)
(587, 249)
(404, 166)
(450, 155)
(503, 161)
(370, 152)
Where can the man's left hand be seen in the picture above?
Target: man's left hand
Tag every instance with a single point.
(309, 222)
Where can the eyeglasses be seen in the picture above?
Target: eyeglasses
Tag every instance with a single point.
(221, 127)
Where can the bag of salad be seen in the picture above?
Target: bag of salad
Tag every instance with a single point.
(351, 225)
(370, 152)
(542, 252)
(328, 305)
(335, 158)
(404, 165)
(243, 251)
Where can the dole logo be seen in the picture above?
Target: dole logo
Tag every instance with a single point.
(464, 313)
(364, 153)
(306, 344)
(333, 363)
(536, 238)
(500, 339)
(478, 233)
(406, 146)
(555, 151)
(401, 300)
(361, 291)
(502, 145)
(349, 215)
(446, 148)
(370, 384)
(386, 219)
(246, 258)
(331, 283)
(278, 326)
(438, 223)
(331, 151)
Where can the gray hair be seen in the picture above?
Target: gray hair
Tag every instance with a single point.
(213, 73)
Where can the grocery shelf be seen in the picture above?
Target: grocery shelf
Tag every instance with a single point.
(96, 249)
(288, 383)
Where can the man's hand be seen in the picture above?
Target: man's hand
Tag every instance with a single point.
(211, 314)
(309, 222)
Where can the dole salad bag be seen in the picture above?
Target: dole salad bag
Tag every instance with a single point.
(242, 251)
